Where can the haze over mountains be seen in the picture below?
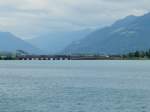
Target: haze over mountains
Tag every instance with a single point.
(127, 35)
(53, 43)
(10, 43)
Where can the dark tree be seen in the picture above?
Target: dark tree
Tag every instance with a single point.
(137, 54)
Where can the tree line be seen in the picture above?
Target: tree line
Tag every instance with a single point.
(138, 54)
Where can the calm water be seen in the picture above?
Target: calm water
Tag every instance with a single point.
(74, 86)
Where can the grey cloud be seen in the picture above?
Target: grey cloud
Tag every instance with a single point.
(32, 17)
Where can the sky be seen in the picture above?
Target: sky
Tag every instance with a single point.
(31, 18)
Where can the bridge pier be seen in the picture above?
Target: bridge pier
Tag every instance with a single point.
(33, 57)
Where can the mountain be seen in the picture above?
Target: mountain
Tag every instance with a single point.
(53, 43)
(127, 35)
(10, 43)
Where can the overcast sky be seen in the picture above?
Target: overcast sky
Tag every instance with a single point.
(29, 18)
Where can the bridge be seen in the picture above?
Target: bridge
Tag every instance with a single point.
(61, 57)
(44, 57)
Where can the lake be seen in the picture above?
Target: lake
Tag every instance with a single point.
(74, 86)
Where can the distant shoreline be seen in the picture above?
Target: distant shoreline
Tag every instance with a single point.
(21, 55)
(67, 57)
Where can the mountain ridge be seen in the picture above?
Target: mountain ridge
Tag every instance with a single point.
(125, 35)
(11, 43)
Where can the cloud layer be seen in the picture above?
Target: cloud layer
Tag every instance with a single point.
(29, 18)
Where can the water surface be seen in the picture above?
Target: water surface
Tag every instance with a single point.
(74, 86)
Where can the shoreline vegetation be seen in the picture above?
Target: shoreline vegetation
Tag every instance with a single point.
(22, 55)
